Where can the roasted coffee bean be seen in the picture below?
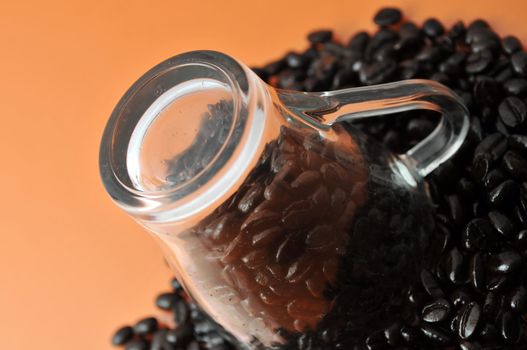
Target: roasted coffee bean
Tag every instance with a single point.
(145, 326)
(181, 312)
(469, 318)
(512, 111)
(502, 224)
(494, 178)
(377, 72)
(504, 194)
(180, 335)
(137, 344)
(489, 143)
(456, 268)
(475, 234)
(481, 166)
(478, 61)
(387, 16)
(477, 272)
(122, 335)
(516, 86)
(393, 334)
(510, 327)
(516, 165)
(159, 340)
(320, 36)
(165, 301)
(436, 334)
(433, 28)
(430, 284)
(519, 62)
(518, 143)
(505, 262)
(436, 311)
(456, 209)
(518, 301)
(511, 44)
(521, 239)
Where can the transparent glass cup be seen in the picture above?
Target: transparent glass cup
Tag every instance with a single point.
(279, 220)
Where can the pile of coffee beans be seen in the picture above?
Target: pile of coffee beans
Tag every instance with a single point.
(474, 296)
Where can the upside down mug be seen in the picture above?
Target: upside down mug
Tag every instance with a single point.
(282, 221)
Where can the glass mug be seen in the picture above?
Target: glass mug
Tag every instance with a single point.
(282, 223)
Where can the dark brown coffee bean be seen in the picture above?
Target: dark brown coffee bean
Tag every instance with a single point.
(299, 269)
(518, 143)
(521, 239)
(478, 61)
(510, 327)
(319, 237)
(475, 234)
(436, 311)
(430, 285)
(488, 143)
(481, 166)
(519, 62)
(477, 272)
(511, 44)
(377, 72)
(387, 16)
(465, 345)
(502, 224)
(505, 262)
(320, 36)
(494, 178)
(137, 344)
(516, 86)
(251, 197)
(512, 111)
(504, 194)
(298, 215)
(516, 165)
(460, 297)
(436, 334)
(180, 335)
(122, 335)
(266, 237)
(518, 300)
(469, 318)
(260, 221)
(456, 268)
(433, 28)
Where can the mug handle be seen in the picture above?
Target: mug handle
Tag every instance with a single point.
(323, 109)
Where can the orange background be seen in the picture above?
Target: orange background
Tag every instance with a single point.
(72, 266)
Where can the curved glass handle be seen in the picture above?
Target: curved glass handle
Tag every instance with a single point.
(326, 108)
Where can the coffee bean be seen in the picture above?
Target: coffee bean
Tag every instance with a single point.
(477, 272)
(494, 178)
(475, 234)
(518, 143)
(469, 318)
(430, 284)
(377, 72)
(481, 166)
(516, 86)
(320, 36)
(510, 327)
(456, 268)
(521, 239)
(511, 44)
(137, 344)
(180, 335)
(518, 300)
(516, 165)
(433, 28)
(478, 61)
(436, 311)
(181, 312)
(166, 301)
(519, 62)
(502, 224)
(122, 335)
(145, 326)
(488, 143)
(437, 335)
(387, 16)
(504, 194)
(505, 262)
(513, 111)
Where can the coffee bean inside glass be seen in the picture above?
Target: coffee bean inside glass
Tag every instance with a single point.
(280, 218)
